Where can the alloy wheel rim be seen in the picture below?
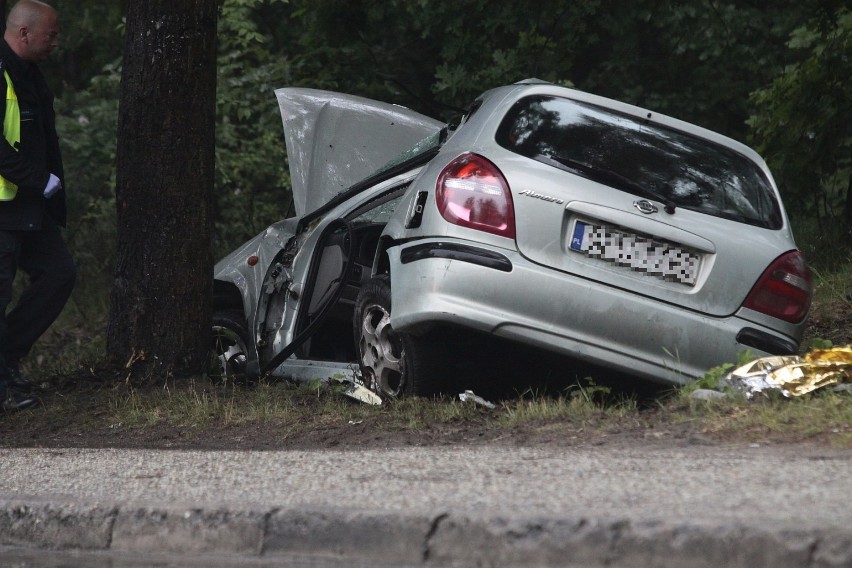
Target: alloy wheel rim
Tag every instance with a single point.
(382, 357)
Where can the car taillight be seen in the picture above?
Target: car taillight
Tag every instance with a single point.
(784, 290)
(472, 192)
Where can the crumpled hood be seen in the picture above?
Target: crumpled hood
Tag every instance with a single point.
(336, 140)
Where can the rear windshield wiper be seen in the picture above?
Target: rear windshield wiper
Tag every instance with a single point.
(604, 175)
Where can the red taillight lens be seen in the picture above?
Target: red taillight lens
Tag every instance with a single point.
(784, 290)
(472, 192)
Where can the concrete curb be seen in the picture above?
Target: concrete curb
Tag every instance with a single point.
(439, 539)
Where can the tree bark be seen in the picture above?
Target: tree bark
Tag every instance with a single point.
(161, 295)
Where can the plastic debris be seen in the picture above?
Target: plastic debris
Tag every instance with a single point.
(794, 375)
(468, 395)
(359, 392)
(707, 394)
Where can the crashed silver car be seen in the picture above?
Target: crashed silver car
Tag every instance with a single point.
(557, 219)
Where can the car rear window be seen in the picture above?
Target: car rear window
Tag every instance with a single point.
(642, 158)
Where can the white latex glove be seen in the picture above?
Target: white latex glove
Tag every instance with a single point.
(53, 185)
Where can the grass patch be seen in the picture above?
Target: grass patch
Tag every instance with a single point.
(206, 413)
(822, 416)
(202, 402)
(581, 402)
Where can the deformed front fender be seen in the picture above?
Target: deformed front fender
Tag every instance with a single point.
(245, 268)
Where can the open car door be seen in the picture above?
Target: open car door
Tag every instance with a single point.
(334, 141)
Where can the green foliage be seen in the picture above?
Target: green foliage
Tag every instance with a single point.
(86, 120)
(90, 40)
(820, 343)
(251, 171)
(713, 377)
(825, 241)
(802, 120)
(691, 60)
(433, 57)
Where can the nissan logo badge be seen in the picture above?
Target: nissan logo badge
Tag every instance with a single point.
(645, 206)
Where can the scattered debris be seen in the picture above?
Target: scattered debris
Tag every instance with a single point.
(707, 394)
(359, 392)
(468, 395)
(793, 375)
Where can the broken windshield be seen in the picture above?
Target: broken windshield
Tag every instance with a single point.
(431, 142)
(675, 167)
(412, 158)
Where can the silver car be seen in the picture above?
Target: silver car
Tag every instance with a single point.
(561, 220)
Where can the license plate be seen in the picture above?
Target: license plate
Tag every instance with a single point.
(639, 253)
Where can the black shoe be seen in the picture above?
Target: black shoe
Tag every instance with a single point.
(18, 383)
(15, 402)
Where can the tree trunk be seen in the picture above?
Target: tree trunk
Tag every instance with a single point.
(161, 295)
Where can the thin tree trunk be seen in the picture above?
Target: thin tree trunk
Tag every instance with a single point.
(161, 295)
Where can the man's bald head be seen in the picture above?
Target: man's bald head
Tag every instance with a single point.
(32, 30)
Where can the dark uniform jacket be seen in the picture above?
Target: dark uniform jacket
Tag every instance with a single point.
(39, 155)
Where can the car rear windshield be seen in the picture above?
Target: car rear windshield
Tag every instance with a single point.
(642, 158)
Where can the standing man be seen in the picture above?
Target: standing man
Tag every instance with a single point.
(32, 196)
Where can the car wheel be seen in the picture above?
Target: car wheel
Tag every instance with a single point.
(393, 364)
(230, 338)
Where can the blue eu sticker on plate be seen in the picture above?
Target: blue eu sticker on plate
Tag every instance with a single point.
(577, 237)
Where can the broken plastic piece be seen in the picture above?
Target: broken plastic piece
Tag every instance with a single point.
(469, 395)
(707, 394)
(357, 391)
(794, 376)
(362, 394)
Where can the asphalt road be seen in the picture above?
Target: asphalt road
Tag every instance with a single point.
(478, 506)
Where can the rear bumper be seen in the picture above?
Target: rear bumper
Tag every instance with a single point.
(561, 313)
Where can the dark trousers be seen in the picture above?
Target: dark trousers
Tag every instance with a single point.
(44, 257)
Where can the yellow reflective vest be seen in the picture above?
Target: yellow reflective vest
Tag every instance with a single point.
(12, 133)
